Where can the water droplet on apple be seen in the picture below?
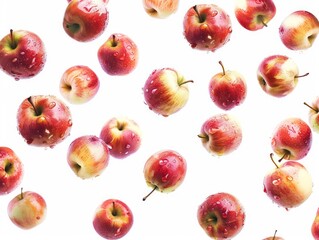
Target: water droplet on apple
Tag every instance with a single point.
(224, 215)
(115, 54)
(290, 178)
(162, 162)
(127, 146)
(123, 57)
(230, 30)
(276, 197)
(22, 53)
(52, 105)
(276, 181)
(70, 123)
(165, 178)
(154, 90)
(214, 13)
(209, 228)
(14, 60)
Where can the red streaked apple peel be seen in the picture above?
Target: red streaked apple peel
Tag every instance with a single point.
(160, 8)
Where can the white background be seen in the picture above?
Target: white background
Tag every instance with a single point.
(72, 201)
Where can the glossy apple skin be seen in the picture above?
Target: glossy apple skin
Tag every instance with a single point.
(113, 219)
(315, 226)
(160, 8)
(313, 115)
(27, 210)
(254, 15)
(119, 55)
(85, 20)
(24, 57)
(292, 139)
(221, 216)
(11, 170)
(44, 120)
(299, 30)
(79, 84)
(88, 156)
(210, 31)
(122, 135)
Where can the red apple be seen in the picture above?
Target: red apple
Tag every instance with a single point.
(85, 20)
(166, 91)
(315, 226)
(122, 135)
(313, 115)
(113, 219)
(44, 120)
(227, 89)
(207, 27)
(22, 54)
(118, 55)
(274, 237)
(88, 156)
(221, 216)
(164, 171)
(11, 170)
(160, 8)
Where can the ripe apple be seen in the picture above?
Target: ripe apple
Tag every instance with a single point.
(44, 120)
(122, 135)
(22, 54)
(27, 210)
(164, 171)
(254, 15)
(221, 134)
(221, 216)
(315, 226)
(288, 184)
(227, 89)
(88, 156)
(207, 27)
(113, 219)
(79, 84)
(278, 75)
(292, 139)
(313, 115)
(274, 237)
(11, 170)
(160, 8)
(166, 91)
(299, 30)
(85, 20)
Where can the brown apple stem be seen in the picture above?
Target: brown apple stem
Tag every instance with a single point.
(32, 104)
(21, 194)
(144, 198)
(221, 64)
(13, 43)
(301, 76)
(114, 211)
(188, 81)
(202, 136)
(272, 159)
(201, 18)
(114, 43)
(274, 237)
(312, 108)
(283, 156)
(261, 19)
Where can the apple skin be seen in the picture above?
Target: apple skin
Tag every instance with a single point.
(22, 54)
(85, 20)
(315, 226)
(160, 8)
(207, 27)
(254, 15)
(11, 170)
(88, 156)
(79, 84)
(313, 115)
(122, 135)
(221, 216)
(299, 30)
(113, 219)
(44, 120)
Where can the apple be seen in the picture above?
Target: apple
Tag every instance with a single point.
(289, 184)
(221, 134)
(113, 219)
(11, 170)
(207, 27)
(79, 84)
(274, 237)
(105, 1)
(22, 54)
(278, 75)
(254, 15)
(118, 55)
(44, 120)
(313, 115)
(315, 226)
(166, 91)
(164, 171)
(85, 20)
(299, 30)
(160, 8)
(122, 135)
(88, 156)
(27, 209)
(292, 139)
(227, 89)
(221, 216)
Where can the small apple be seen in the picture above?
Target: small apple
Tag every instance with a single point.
(278, 75)
(315, 226)
(122, 135)
(27, 210)
(44, 120)
(113, 219)
(274, 237)
(227, 89)
(85, 20)
(11, 170)
(164, 171)
(299, 30)
(221, 134)
(221, 216)
(207, 27)
(160, 8)
(254, 15)
(313, 115)
(22, 54)
(166, 91)
(88, 156)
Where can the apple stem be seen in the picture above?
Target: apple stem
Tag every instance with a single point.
(13, 44)
(221, 64)
(274, 237)
(188, 81)
(21, 194)
(32, 104)
(114, 43)
(144, 198)
(114, 211)
(272, 159)
(283, 156)
(200, 17)
(202, 136)
(312, 108)
(300, 76)
(261, 19)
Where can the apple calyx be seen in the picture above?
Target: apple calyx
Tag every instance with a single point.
(312, 108)
(260, 18)
(153, 190)
(37, 111)
(201, 17)
(74, 27)
(13, 43)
